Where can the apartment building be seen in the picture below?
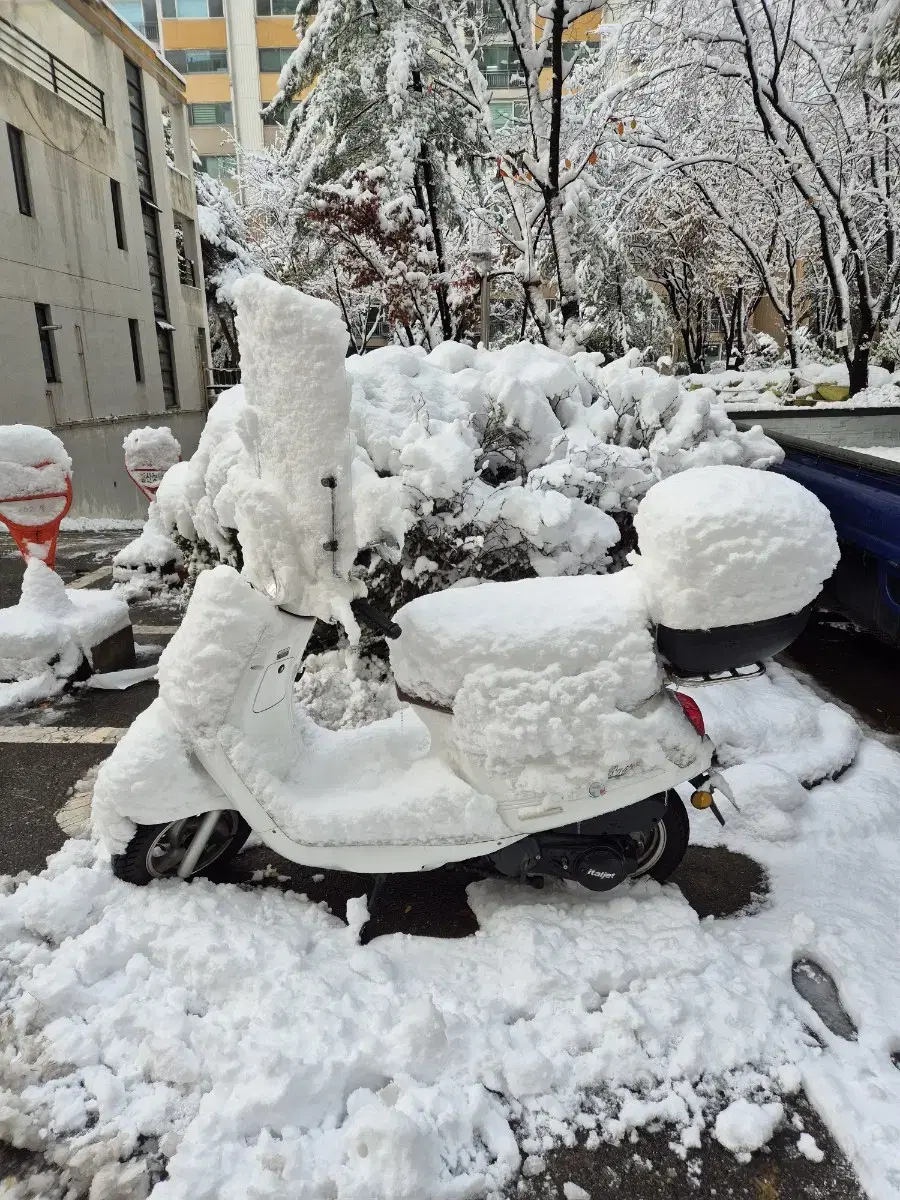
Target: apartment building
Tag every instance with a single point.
(102, 312)
(230, 53)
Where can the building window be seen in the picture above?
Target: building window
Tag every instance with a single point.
(115, 193)
(506, 112)
(134, 333)
(210, 114)
(276, 8)
(141, 15)
(46, 330)
(191, 8)
(501, 67)
(20, 169)
(199, 62)
(184, 249)
(167, 364)
(272, 59)
(219, 166)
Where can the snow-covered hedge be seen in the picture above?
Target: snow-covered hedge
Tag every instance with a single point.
(481, 464)
(809, 384)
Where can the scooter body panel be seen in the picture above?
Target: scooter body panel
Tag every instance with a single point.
(262, 711)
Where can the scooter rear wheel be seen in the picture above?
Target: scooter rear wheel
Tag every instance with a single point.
(667, 843)
(156, 851)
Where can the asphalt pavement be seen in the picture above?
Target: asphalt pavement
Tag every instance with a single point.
(37, 777)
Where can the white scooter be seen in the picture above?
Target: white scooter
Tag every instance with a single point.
(591, 796)
(618, 827)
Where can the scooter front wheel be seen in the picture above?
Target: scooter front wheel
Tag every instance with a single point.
(160, 851)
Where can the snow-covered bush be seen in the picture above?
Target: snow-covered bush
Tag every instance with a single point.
(149, 564)
(473, 464)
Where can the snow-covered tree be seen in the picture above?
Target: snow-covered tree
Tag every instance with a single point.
(227, 255)
(811, 141)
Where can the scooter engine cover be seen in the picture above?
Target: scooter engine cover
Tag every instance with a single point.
(601, 869)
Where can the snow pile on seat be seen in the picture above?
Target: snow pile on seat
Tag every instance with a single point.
(552, 682)
(150, 563)
(33, 462)
(154, 448)
(723, 546)
(45, 638)
(530, 624)
(296, 532)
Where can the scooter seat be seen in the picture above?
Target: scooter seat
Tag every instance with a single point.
(529, 624)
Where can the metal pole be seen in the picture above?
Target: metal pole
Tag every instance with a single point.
(198, 843)
(486, 310)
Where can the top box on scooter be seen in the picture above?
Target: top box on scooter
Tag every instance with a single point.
(730, 561)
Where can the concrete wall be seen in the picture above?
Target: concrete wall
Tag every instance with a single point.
(100, 484)
(66, 256)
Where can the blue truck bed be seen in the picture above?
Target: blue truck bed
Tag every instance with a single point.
(862, 493)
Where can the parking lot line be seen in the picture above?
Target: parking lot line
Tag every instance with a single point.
(84, 581)
(60, 735)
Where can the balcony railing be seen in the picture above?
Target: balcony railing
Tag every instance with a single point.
(35, 60)
(147, 30)
(504, 79)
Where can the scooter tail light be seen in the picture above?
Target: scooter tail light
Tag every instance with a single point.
(692, 711)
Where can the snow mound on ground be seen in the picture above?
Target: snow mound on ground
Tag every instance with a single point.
(745, 1127)
(769, 721)
(769, 801)
(33, 462)
(723, 546)
(46, 636)
(266, 1053)
(246, 1043)
(154, 448)
(296, 532)
(150, 563)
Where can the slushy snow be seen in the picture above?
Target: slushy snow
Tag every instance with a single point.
(723, 546)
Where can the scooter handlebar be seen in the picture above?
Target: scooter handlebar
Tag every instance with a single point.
(376, 620)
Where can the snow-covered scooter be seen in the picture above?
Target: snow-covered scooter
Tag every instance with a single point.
(543, 736)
